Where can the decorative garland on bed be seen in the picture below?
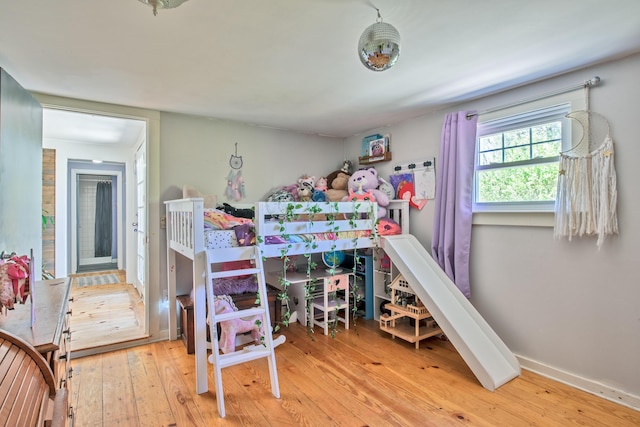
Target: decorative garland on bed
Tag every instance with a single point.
(311, 245)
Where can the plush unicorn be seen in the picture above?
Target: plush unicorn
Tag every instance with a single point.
(230, 328)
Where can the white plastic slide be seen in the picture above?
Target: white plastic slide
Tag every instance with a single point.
(483, 351)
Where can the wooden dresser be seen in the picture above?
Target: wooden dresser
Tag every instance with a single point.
(50, 335)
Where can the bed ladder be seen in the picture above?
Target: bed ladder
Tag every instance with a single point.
(215, 258)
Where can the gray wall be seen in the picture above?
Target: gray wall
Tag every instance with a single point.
(20, 171)
(196, 151)
(568, 310)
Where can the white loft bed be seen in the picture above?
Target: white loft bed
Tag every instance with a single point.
(186, 236)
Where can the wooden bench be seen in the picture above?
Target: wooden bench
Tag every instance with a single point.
(27, 387)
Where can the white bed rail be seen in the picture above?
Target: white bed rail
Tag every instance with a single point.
(398, 210)
(185, 226)
(315, 226)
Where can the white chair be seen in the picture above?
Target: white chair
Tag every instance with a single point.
(328, 306)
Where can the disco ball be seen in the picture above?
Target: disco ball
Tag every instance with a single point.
(379, 46)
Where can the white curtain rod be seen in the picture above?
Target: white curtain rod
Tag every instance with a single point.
(594, 81)
(96, 179)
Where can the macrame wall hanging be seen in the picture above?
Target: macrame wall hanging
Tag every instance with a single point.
(587, 195)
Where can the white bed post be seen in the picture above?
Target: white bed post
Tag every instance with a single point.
(200, 320)
(171, 277)
(199, 297)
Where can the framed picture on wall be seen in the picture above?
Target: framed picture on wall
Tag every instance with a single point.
(366, 143)
(377, 147)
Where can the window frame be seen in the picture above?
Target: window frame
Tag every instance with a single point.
(531, 117)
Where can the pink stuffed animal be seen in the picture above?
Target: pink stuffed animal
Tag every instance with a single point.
(321, 184)
(230, 328)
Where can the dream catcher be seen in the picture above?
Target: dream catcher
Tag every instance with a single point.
(235, 182)
(235, 186)
(235, 161)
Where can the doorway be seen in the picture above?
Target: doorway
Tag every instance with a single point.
(97, 212)
(95, 155)
(96, 223)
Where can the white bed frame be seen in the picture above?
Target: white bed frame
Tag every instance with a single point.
(185, 236)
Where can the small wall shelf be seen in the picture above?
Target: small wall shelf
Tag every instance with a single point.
(367, 160)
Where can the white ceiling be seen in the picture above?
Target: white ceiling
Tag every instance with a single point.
(292, 64)
(73, 126)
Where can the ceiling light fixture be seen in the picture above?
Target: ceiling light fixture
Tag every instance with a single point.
(379, 45)
(162, 4)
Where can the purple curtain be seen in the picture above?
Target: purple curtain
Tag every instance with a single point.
(453, 211)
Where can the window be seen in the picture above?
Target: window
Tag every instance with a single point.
(516, 167)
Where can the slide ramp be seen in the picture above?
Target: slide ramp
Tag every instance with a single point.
(483, 351)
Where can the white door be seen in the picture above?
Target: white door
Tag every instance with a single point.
(140, 223)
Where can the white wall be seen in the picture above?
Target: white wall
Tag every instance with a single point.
(69, 150)
(565, 308)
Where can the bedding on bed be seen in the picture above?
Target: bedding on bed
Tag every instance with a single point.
(215, 219)
(302, 238)
(235, 285)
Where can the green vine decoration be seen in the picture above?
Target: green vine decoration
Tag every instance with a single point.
(296, 211)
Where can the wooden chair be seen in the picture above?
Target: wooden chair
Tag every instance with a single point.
(27, 385)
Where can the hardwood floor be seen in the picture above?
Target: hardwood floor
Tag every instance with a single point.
(360, 378)
(105, 314)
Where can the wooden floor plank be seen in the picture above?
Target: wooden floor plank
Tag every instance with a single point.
(290, 409)
(383, 390)
(205, 402)
(184, 409)
(357, 408)
(118, 391)
(362, 377)
(86, 388)
(151, 399)
(419, 368)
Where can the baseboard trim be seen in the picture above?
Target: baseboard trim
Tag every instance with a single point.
(584, 384)
(162, 336)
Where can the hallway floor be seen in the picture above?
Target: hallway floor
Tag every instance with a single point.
(105, 314)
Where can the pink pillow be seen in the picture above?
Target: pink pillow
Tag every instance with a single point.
(388, 227)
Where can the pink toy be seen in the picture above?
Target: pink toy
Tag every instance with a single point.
(365, 196)
(230, 328)
(321, 184)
